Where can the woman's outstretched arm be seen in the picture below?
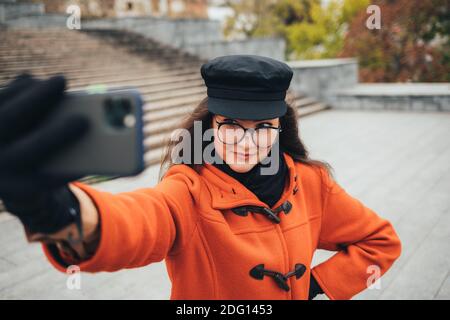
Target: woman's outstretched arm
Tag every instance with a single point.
(129, 229)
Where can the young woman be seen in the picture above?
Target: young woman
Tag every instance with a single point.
(241, 223)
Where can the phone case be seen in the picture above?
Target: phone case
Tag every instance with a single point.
(113, 145)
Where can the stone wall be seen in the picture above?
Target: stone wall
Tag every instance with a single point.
(335, 82)
(38, 21)
(270, 47)
(197, 36)
(178, 33)
(317, 78)
(89, 8)
(188, 9)
(11, 10)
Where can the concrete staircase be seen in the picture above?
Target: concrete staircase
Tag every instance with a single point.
(168, 79)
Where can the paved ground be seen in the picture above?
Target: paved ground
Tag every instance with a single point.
(397, 163)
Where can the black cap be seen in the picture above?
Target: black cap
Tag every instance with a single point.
(247, 87)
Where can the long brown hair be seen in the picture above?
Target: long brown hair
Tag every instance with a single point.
(290, 139)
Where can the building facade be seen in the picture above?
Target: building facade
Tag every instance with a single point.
(130, 8)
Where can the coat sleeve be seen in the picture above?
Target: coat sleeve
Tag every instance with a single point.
(139, 227)
(364, 241)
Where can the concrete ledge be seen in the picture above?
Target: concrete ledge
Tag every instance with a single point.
(317, 78)
(322, 63)
(393, 96)
(396, 89)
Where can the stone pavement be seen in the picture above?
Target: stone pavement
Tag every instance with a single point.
(396, 163)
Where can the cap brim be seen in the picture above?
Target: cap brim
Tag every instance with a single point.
(247, 110)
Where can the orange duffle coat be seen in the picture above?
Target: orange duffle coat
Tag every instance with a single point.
(216, 248)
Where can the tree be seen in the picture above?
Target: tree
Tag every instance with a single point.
(412, 44)
(311, 30)
(251, 18)
(320, 31)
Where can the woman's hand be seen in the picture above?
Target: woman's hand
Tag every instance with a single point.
(44, 204)
(69, 240)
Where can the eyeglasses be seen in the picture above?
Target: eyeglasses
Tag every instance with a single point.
(231, 133)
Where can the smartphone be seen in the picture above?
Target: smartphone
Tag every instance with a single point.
(113, 145)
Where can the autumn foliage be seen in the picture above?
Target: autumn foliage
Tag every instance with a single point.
(412, 44)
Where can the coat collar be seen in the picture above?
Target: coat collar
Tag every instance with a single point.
(227, 192)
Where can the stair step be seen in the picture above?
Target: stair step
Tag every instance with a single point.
(111, 76)
(167, 113)
(179, 93)
(169, 103)
(141, 81)
(74, 65)
(313, 108)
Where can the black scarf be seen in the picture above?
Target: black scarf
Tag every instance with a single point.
(268, 188)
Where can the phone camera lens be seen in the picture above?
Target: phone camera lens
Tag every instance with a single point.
(118, 112)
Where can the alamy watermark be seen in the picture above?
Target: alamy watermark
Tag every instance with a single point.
(73, 22)
(74, 278)
(374, 280)
(374, 20)
(200, 148)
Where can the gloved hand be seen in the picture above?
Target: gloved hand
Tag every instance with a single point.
(43, 203)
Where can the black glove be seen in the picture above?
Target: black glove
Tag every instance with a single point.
(314, 288)
(43, 203)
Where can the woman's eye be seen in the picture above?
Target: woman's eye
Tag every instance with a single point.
(264, 125)
(230, 122)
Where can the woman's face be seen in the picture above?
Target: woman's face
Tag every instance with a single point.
(242, 156)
